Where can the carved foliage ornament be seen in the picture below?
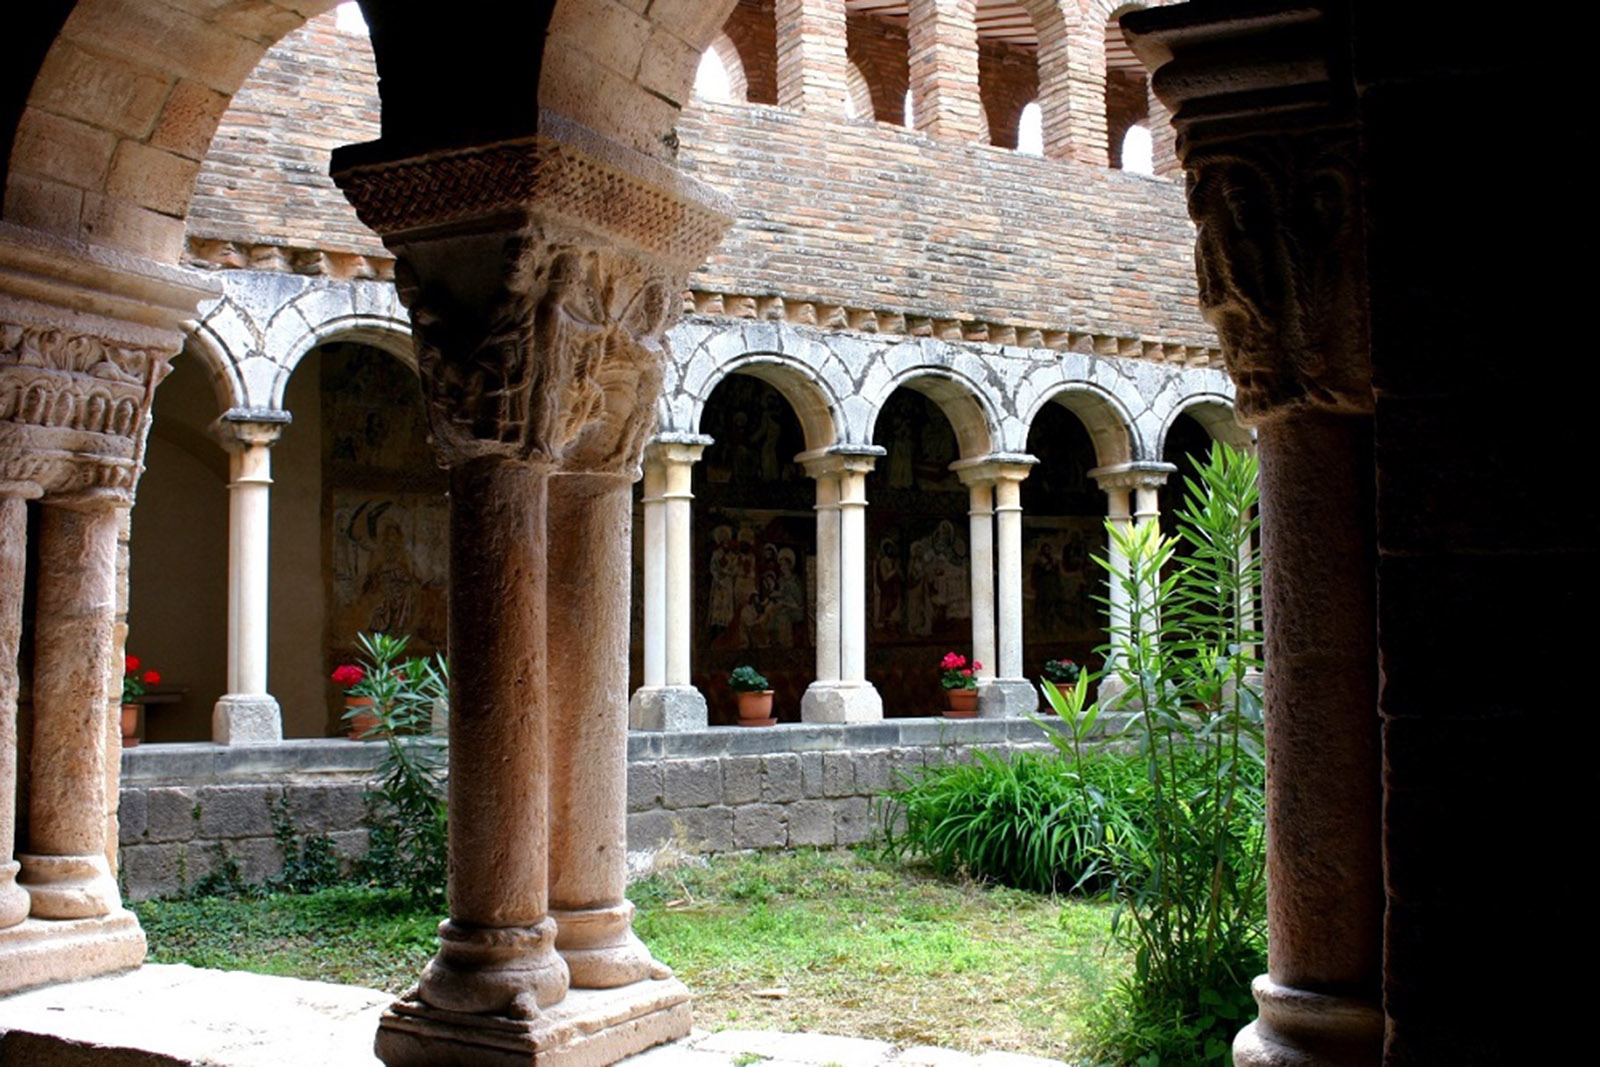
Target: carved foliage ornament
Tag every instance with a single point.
(566, 365)
(1278, 253)
(74, 407)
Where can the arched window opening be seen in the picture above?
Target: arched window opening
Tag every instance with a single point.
(755, 550)
(1008, 68)
(1030, 130)
(858, 94)
(910, 112)
(1138, 151)
(1127, 100)
(1063, 529)
(711, 81)
(348, 18)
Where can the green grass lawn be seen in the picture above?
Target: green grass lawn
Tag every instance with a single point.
(834, 941)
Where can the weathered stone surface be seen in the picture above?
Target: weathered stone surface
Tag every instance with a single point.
(170, 814)
(810, 823)
(649, 829)
(741, 779)
(234, 811)
(872, 771)
(838, 774)
(780, 778)
(708, 829)
(811, 774)
(760, 826)
(691, 783)
(132, 816)
(852, 820)
(644, 785)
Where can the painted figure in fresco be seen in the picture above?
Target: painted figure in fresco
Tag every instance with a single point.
(888, 582)
(388, 596)
(902, 454)
(919, 575)
(788, 608)
(950, 589)
(724, 568)
(767, 437)
(1049, 592)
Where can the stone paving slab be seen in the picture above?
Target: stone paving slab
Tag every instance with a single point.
(773, 1048)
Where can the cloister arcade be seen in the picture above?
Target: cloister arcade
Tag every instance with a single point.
(563, 238)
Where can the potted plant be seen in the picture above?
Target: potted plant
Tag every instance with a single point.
(960, 685)
(134, 682)
(385, 694)
(1062, 672)
(755, 696)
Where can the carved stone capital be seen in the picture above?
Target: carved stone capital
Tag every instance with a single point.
(541, 276)
(85, 336)
(1267, 138)
(239, 429)
(1133, 476)
(993, 468)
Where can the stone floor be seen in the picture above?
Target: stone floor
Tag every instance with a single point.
(173, 1015)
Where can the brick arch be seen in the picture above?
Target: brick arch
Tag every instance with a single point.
(627, 76)
(733, 61)
(123, 109)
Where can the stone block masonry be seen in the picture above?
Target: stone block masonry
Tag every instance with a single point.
(186, 807)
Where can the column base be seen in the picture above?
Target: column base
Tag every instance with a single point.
(41, 951)
(246, 719)
(601, 949)
(667, 707)
(1301, 1029)
(69, 887)
(590, 1028)
(1007, 698)
(841, 702)
(13, 898)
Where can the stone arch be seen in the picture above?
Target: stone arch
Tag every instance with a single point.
(799, 385)
(207, 344)
(121, 113)
(1215, 412)
(334, 313)
(959, 397)
(1109, 422)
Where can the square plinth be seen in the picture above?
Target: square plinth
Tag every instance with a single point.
(37, 952)
(590, 1028)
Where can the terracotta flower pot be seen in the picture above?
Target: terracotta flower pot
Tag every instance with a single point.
(755, 708)
(130, 725)
(963, 703)
(362, 723)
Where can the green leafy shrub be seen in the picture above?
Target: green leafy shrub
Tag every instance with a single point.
(1034, 821)
(1190, 878)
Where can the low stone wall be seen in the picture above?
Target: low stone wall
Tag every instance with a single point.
(185, 807)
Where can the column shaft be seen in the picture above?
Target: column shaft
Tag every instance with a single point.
(811, 55)
(853, 576)
(981, 536)
(680, 571)
(1117, 513)
(249, 531)
(828, 584)
(1008, 522)
(943, 37)
(591, 520)
(497, 948)
(1325, 896)
(65, 867)
(13, 560)
(655, 576)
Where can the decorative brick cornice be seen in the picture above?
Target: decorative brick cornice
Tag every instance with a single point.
(1266, 134)
(568, 175)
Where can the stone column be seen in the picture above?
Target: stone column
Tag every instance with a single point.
(1132, 496)
(980, 523)
(248, 714)
(1011, 692)
(812, 64)
(943, 38)
(85, 336)
(541, 275)
(841, 474)
(1269, 143)
(13, 560)
(589, 572)
(672, 702)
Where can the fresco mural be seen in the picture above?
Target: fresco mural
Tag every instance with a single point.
(1063, 529)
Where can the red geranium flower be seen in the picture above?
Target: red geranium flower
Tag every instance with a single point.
(152, 677)
(130, 663)
(952, 661)
(348, 675)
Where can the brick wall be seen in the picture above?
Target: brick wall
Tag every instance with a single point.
(857, 213)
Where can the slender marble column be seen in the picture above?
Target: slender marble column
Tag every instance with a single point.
(1008, 531)
(841, 692)
(655, 576)
(247, 713)
(980, 516)
(827, 576)
(668, 700)
(1118, 514)
(13, 558)
(65, 868)
(589, 571)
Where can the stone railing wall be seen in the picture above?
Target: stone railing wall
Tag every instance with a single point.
(186, 806)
